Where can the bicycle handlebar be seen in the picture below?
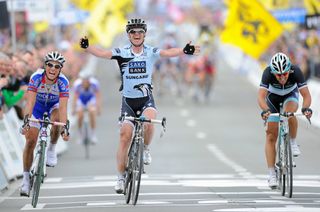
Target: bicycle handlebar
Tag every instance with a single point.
(144, 119)
(47, 121)
(286, 114)
(289, 114)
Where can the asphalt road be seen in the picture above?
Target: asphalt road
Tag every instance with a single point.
(210, 159)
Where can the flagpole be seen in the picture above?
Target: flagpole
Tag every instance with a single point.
(13, 29)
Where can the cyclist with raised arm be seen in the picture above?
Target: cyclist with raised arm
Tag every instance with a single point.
(136, 62)
(87, 97)
(281, 83)
(48, 91)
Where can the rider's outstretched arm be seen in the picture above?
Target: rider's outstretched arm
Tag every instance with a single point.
(99, 52)
(174, 52)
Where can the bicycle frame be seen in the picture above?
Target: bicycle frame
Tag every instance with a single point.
(38, 169)
(135, 165)
(85, 133)
(284, 162)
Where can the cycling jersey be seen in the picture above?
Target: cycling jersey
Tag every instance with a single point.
(136, 69)
(295, 80)
(47, 95)
(85, 95)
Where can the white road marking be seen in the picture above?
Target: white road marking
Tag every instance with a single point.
(201, 135)
(273, 209)
(191, 123)
(224, 159)
(184, 113)
(53, 180)
(100, 203)
(30, 207)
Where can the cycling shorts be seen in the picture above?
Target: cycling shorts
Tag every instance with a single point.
(81, 105)
(38, 114)
(135, 106)
(274, 100)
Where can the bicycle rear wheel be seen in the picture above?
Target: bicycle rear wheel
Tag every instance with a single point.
(289, 165)
(38, 177)
(137, 171)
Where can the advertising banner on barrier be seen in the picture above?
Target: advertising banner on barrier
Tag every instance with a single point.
(3, 180)
(12, 118)
(6, 152)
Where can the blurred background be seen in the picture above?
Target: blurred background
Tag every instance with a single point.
(244, 33)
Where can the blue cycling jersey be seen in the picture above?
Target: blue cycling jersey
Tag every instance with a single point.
(47, 95)
(85, 95)
(135, 69)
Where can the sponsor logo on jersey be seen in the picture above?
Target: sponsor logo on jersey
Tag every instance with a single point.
(137, 67)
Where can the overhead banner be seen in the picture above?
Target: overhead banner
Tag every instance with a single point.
(251, 27)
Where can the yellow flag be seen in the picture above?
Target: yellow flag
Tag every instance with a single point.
(250, 26)
(107, 20)
(275, 4)
(312, 6)
(85, 4)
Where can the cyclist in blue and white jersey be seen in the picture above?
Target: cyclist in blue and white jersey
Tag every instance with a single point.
(281, 83)
(48, 91)
(87, 97)
(136, 62)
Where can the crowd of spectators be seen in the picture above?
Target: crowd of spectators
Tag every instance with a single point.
(303, 48)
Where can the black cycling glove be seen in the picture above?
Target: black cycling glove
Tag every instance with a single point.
(65, 129)
(304, 109)
(265, 112)
(84, 42)
(189, 49)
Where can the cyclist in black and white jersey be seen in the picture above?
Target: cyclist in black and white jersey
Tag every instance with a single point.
(136, 62)
(281, 83)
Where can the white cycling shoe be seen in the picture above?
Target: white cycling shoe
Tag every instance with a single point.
(52, 158)
(272, 181)
(295, 149)
(25, 187)
(119, 187)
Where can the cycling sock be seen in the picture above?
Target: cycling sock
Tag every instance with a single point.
(146, 146)
(293, 141)
(51, 147)
(121, 176)
(271, 171)
(26, 177)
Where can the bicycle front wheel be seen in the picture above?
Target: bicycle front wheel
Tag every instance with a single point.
(137, 171)
(38, 177)
(128, 187)
(281, 174)
(289, 165)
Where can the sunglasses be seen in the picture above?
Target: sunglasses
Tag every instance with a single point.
(132, 31)
(284, 74)
(50, 65)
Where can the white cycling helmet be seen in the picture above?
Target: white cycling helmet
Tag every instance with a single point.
(280, 63)
(54, 56)
(136, 23)
(85, 75)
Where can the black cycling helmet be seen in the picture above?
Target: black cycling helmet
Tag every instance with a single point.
(136, 23)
